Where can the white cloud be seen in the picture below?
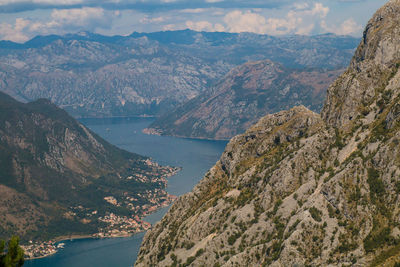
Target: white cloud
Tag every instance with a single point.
(299, 20)
(57, 2)
(300, 6)
(303, 17)
(147, 20)
(45, 2)
(238, 21)
(14, 32)
(204, 26)
(169, 27)
(348, 27)
(218, 13)
(320, 10)
(289, 24)
(79, 16)
(306, 30)
(61, 21)
(194, 10)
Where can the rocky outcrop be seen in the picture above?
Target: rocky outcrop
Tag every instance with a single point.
(300, 189)
(374, 64)
(91, 75)
(242, 97)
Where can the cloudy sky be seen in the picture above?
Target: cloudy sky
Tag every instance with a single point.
(21, 20)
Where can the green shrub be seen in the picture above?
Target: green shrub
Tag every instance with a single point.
(199, 252)
(232, 239)
(315, 214)
(377, 240)
(190, 260)
(376, 186)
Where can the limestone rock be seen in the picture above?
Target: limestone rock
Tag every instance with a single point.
(314, 190)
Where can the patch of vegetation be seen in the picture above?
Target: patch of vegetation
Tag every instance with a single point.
(174, 259)
(345, 244)
(377, 239)
(356, 195)
(379, 132)
(277, 204)
(232, 238)
(376, 186)
(315, 214)
(381, 258)
(188, 245)
(397, 187)
(338, 140)
(245, 196)
(189, 261)
(199, 252)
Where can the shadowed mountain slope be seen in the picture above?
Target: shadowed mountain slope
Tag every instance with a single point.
(54, 173)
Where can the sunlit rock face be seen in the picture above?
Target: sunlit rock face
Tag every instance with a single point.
(300, 189)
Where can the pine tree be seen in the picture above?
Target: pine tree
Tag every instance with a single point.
(14, 257)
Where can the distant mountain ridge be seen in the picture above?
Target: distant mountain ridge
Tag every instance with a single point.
(56, 175)
(242, 97)
(91, 75)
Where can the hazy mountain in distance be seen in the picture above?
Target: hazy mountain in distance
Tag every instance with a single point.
(91, 75)
(242, 97)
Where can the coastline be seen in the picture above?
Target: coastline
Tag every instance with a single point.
(78, 237)
(51, 245)
(117, 117)
(153, 131)
(60, 239)
(40, 257)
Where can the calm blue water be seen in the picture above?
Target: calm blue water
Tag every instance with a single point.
(194, 156)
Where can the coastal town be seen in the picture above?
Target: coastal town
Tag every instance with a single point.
(114, 225)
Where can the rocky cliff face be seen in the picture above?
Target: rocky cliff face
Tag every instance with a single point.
(56, 175)
(242, 97)
(300, 189)
(91, 75)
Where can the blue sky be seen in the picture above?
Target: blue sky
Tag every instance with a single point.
(21, 20)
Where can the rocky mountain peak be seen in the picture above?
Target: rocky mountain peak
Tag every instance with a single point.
(298, 189)
(381, 37)
(360, 91)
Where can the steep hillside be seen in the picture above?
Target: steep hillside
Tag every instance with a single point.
(242, 97)
(299, 188)
(58, 178)
(91, 75)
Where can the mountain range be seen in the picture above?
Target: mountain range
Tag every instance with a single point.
(91, 75)
(242, 97)
(300, 188)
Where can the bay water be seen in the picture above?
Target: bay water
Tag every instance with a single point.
(193, 155)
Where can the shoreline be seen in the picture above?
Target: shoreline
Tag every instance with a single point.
(153, 131)
(118, 117)
(78, 237)
(53, 242)
(40, 257)
(60, 239)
